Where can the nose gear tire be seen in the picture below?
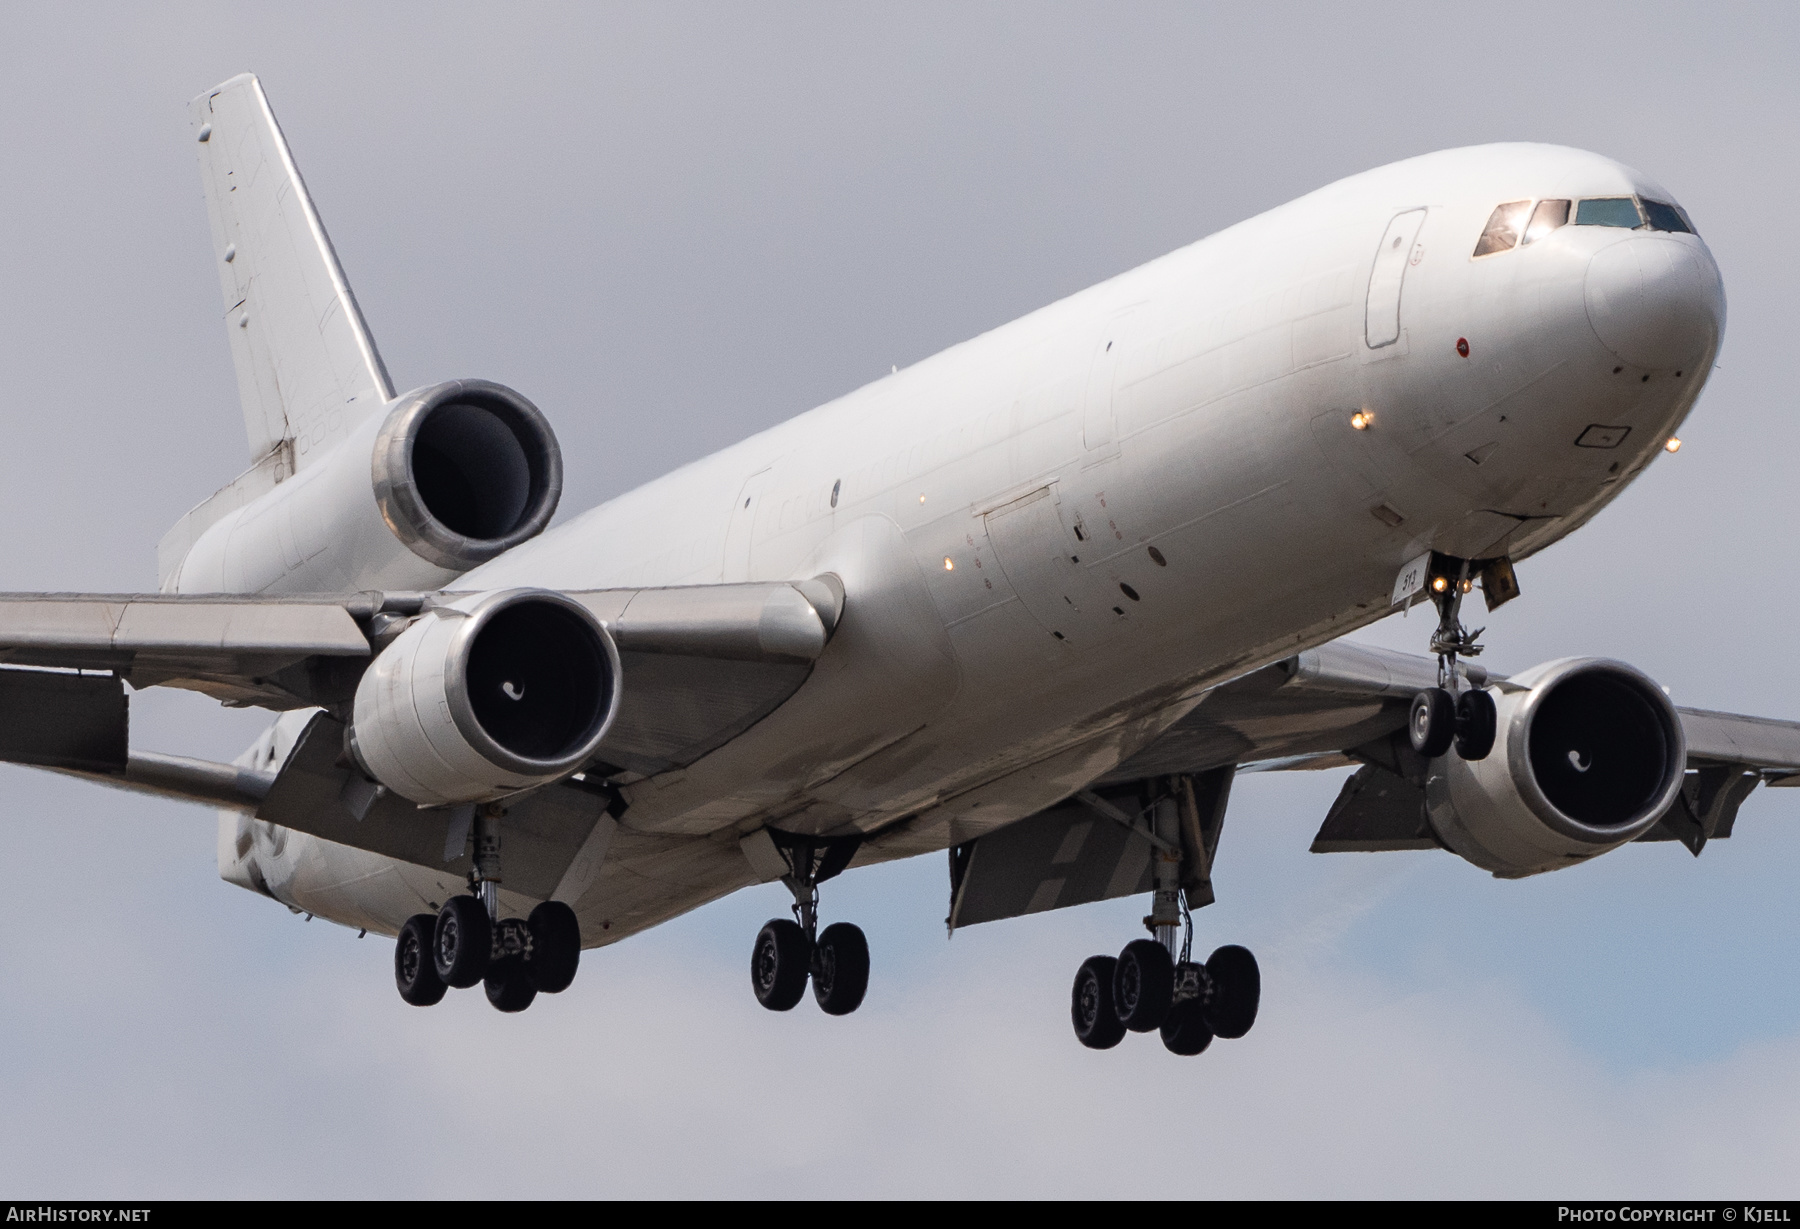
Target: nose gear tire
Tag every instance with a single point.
(1229, 1008)
(1475, 724)
(1431, 725)
(555, 946)
(1091, 1008)
(840, 969)
(463, 942)
(1184, 1029)
(415, 972)
(1143, 985)
(779, 964)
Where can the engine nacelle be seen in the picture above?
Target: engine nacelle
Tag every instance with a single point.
(496, 693)
(1587, 755)
(444, 479)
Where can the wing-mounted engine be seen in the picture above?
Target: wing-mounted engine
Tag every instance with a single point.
(447, 478)
(1589, 754)
(496, 693)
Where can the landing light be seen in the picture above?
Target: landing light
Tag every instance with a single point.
(1439, 584)
(1467, 585)
(948, 565)
(1674, 445)
(1362, 420)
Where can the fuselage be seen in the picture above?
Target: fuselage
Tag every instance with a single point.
(1054, 537)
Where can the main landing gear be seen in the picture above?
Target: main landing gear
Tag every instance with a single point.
(467, 942)
(788, 953)
(1155, 985)
(1449, 715)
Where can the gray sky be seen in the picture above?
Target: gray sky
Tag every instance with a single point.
(673, 226)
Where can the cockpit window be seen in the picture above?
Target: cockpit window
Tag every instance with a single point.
(1666, 217)
(1609, 211)
(1545, 218)
(1503, 227)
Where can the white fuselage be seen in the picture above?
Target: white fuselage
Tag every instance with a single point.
(1054, 536)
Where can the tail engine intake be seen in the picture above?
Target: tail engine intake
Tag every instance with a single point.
(442, 480)
(466, 470)
(1588, 754)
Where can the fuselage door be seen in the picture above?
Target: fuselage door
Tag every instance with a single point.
(1040, 559)
(1097, 432)
(1381, 322)
(743, 520)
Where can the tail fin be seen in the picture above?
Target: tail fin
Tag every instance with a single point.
(307, 368)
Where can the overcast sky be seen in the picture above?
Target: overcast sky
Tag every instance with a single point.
(672, 226)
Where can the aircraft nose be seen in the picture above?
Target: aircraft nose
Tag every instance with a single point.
(1655, 302)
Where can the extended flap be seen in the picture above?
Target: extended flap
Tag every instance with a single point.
(541, 832)
(57, 720)
(1067, 855)
(1375, 812)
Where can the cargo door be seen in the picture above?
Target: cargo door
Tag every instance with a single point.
(1041, 560)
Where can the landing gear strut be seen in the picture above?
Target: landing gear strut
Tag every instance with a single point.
(468, 943)
(1155, 985)
(1449, 715)
(788, 953)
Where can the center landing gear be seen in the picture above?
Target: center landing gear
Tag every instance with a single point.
(1449, 715)
(1154, 985)
(1188, 1003)
(788, 953)
(467, 942)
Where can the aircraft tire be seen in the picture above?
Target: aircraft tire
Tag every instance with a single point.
(1475, 724)
(509, 985)
(779, 964)
(840, 969)
(1431, 725)
(1230, 1006)
(1184, 1029)
(415, 973)
(1143, 985)
(1091, 1009)
(555, 946)
(463, 942)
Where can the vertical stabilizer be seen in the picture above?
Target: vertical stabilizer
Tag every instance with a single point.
(307, 369)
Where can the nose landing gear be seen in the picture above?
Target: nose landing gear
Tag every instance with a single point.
(468, 943)
(1449, 715)
(788, 953)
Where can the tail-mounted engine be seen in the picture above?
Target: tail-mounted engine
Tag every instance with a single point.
(1588, 753)
(497, 693)
(444, 479)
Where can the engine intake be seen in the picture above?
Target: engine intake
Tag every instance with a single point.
(441, 480)
(499, 692)
(466, 470)
(1588, 754)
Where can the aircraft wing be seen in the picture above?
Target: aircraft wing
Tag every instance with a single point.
(699, 665)
(1341, 705)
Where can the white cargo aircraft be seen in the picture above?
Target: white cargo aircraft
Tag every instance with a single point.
(1033, 600)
